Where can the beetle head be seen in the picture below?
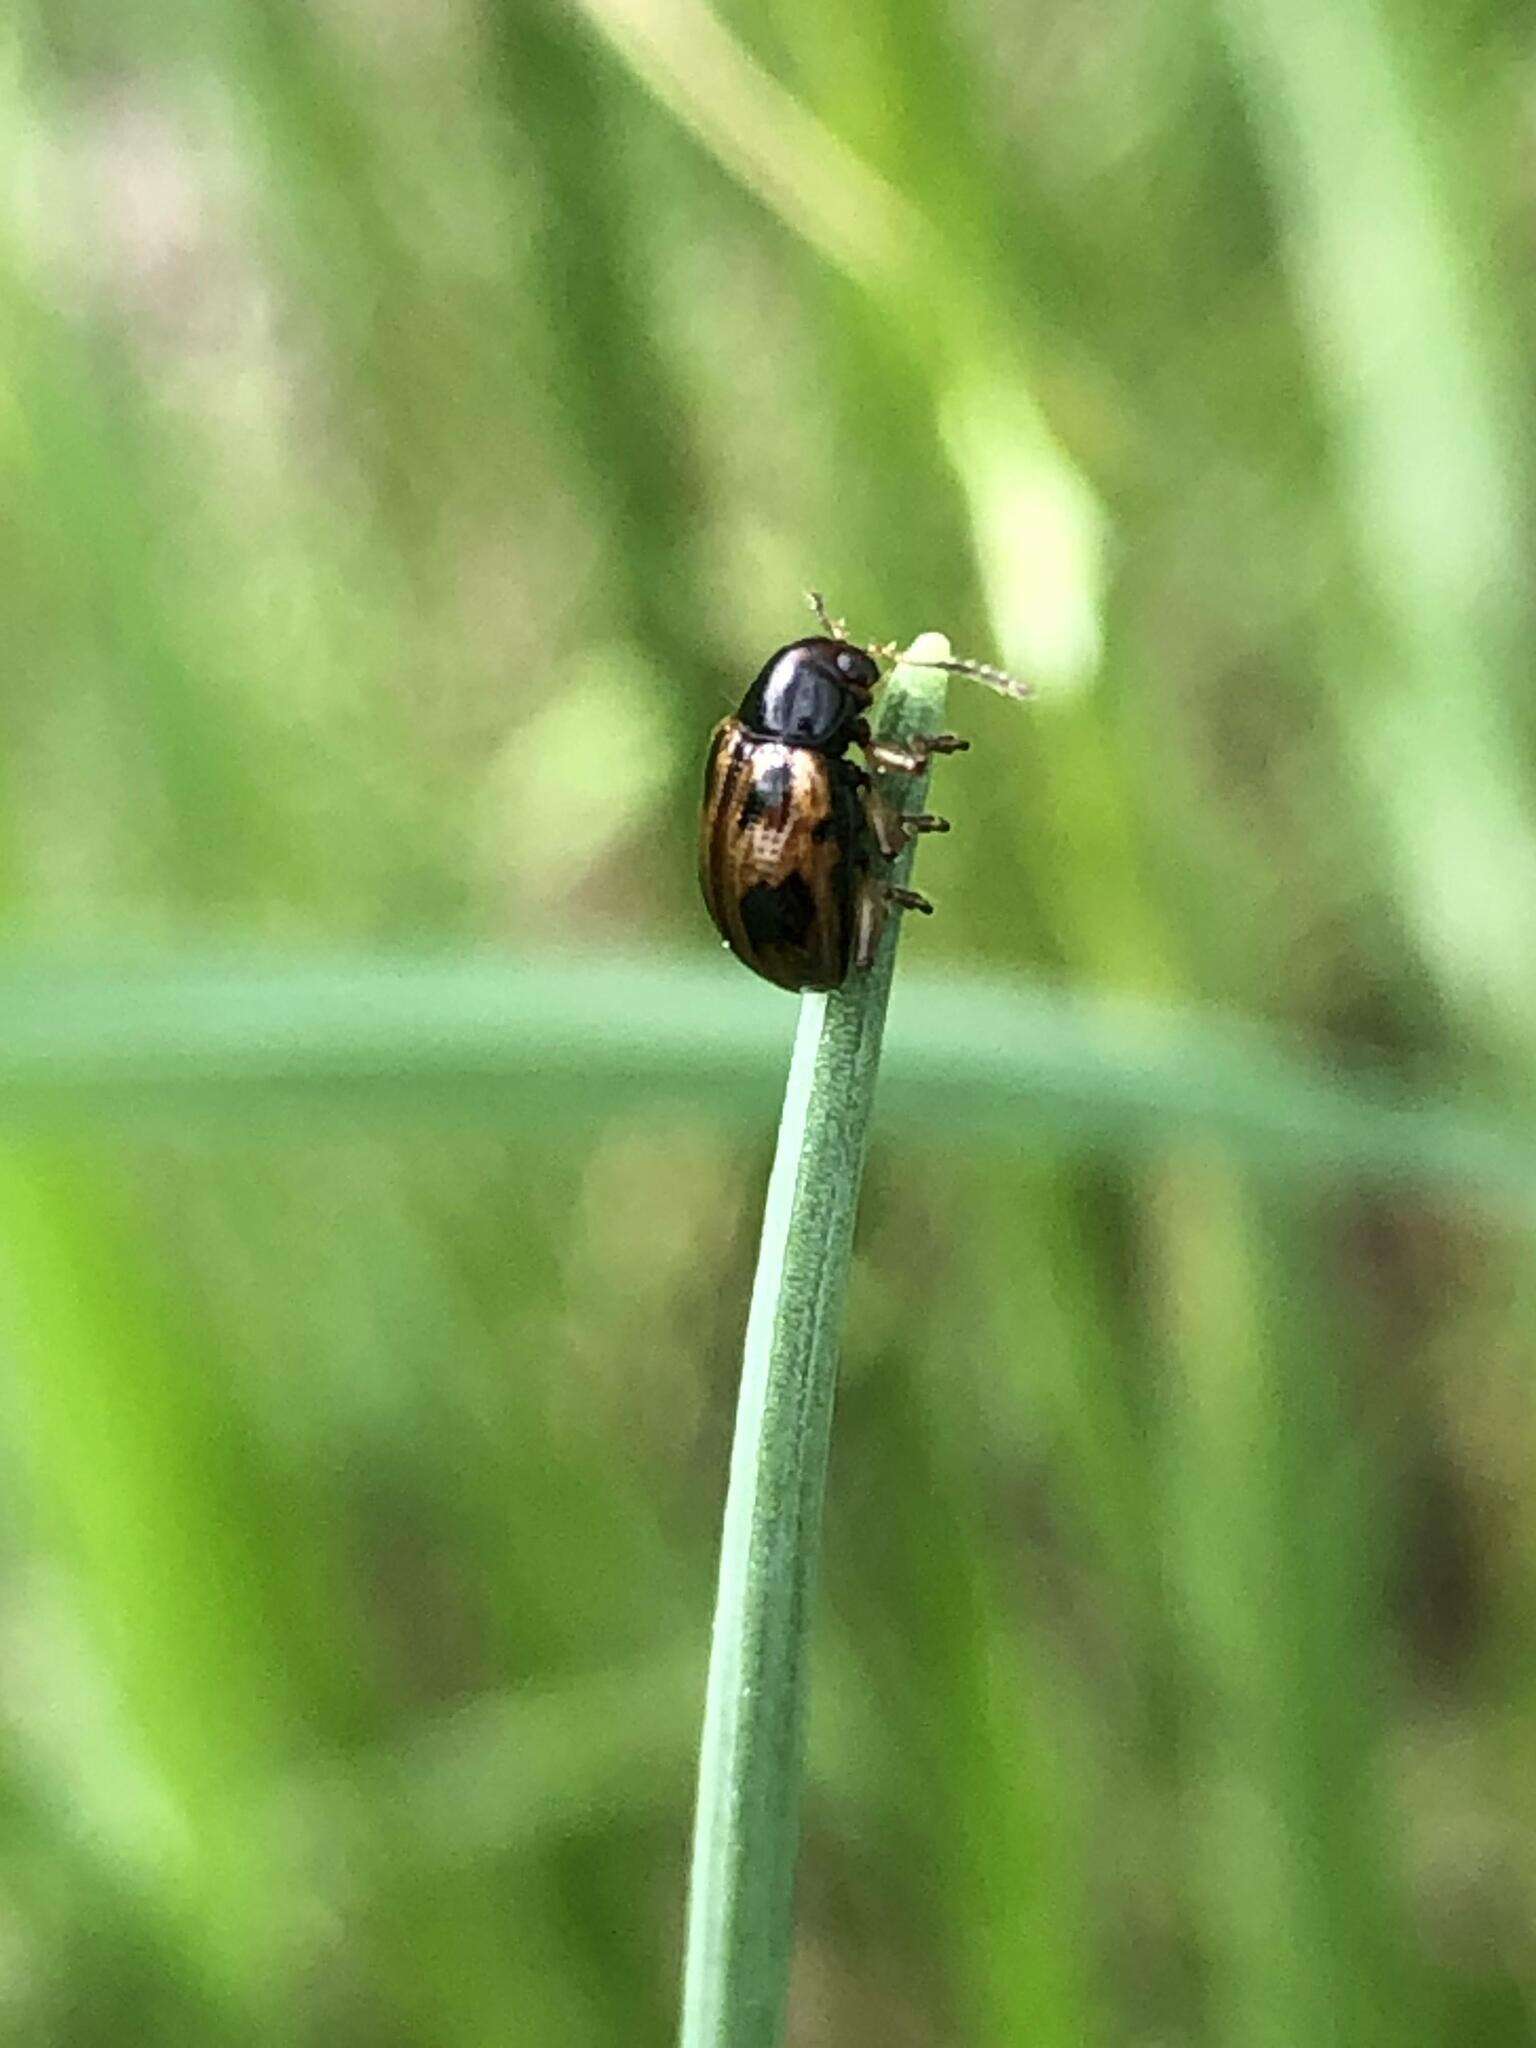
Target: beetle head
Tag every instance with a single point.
(810, 692)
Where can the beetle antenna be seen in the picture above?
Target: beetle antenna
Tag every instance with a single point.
(980, 672)
(835, 629)
(888, 651)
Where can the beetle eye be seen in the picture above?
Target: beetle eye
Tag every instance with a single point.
(847, 661)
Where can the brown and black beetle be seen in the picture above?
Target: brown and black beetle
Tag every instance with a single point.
(796, 841)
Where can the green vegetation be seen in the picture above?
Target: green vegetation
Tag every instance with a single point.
(416, 425)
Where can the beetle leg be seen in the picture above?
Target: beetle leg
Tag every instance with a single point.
(908, 899)
(892, 829)
(871, 906)
(886, 826)
(913, 758)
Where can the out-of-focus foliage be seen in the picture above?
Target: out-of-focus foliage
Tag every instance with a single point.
(416, 422)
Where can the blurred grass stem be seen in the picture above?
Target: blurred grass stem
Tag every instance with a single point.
(736, 1976)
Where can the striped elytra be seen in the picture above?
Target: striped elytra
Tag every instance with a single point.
(784, 845)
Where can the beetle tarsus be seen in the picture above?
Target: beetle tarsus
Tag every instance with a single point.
(908, 899)
(893, 829)
(913, 758)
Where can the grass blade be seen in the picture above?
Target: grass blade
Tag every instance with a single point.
(241, 1044)
(1428, 440)
(736, 1976)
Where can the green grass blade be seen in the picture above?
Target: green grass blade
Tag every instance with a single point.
(243, 1044)
(869, 222)
(736, 1976)
(1354, 130)
(1275, 1579)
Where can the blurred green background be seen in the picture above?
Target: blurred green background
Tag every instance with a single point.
(416, 424)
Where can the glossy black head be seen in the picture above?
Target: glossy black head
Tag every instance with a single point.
(810, 693)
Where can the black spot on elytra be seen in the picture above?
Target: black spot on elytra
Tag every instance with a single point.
(768, 791)
(778, 916)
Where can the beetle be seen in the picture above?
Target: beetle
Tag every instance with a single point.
(796, 840)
